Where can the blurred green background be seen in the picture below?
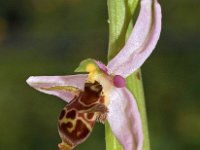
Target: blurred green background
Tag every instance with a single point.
(51, 37)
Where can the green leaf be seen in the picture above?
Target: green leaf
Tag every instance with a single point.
(120, 14)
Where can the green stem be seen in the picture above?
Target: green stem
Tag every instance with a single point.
(120, 24)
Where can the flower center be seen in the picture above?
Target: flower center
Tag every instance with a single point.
(92, 70)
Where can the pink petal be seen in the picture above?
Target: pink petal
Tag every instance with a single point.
(124, 119)
(141, 42)
(102, 66)
(56, 85)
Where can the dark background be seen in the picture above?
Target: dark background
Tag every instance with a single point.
(51, 37)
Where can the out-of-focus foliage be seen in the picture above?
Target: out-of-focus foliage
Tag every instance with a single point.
(40, 37)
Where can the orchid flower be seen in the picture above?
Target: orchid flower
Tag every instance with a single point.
(119, 105)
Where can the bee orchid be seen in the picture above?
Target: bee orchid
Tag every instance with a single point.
(100, 93)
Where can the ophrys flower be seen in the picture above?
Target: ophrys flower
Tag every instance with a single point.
(112, 100)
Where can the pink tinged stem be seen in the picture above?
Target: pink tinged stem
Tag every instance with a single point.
(124, 119)
(141, 42)
(64, 87)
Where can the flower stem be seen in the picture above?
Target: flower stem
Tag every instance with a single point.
(120, 14)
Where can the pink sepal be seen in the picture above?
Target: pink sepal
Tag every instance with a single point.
(124, 119)
(46, 84)
(141, 42)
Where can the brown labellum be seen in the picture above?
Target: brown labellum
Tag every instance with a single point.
(77, 118)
